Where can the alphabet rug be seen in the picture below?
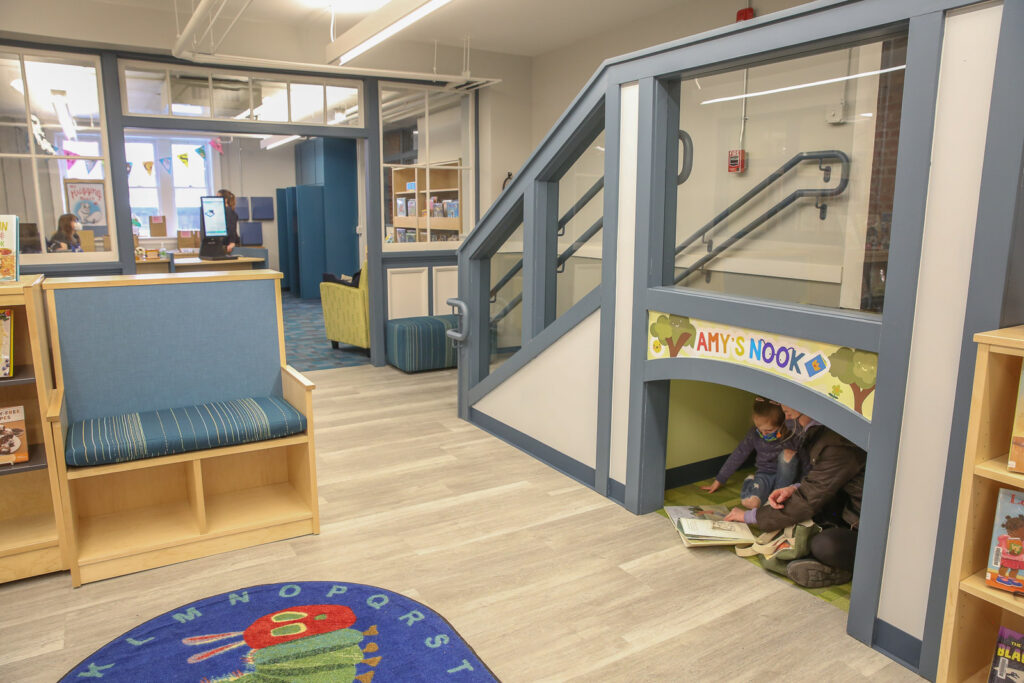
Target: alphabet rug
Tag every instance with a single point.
(310, 632)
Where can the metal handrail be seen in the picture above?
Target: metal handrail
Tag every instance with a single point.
(819, 156)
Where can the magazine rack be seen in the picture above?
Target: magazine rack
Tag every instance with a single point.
(974, 611)
(31, 541)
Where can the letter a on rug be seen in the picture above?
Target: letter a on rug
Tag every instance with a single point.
(307, 632)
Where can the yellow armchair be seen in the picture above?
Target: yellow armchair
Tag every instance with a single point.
(347, 312)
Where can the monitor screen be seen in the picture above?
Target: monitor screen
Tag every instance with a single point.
(213, 217)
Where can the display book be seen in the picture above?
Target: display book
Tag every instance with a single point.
(8, 247)
(1006, 663)
(705, 525)
(13, 443)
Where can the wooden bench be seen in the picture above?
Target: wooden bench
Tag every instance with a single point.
(125, 345)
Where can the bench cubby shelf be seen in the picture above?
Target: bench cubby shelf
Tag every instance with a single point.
(31, 541)
(974, 610)
(130, 516)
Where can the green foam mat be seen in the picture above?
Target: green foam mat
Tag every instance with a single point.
(729, 495)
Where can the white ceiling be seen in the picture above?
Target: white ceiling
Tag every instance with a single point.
(520, 27)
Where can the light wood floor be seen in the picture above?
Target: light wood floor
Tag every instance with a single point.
(547, 580)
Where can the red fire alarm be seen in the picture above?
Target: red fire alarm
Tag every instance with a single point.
(745, 14)
(737, 160)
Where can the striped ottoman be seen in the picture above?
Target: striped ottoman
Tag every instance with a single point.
(417, 344)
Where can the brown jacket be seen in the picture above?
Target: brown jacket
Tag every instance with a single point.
(835, 465)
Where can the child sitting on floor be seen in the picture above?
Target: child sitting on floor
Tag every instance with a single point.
(777, 466)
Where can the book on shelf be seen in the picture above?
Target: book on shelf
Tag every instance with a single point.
(6, 342)
(1006, 552)
(9, 236)
(13, 442)
(703, 525)
(1007, 664)
(400, 207)
(411, 207)
(1016, 459)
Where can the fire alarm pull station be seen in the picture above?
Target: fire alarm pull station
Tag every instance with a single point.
(737, 160)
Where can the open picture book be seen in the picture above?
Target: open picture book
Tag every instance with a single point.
(702, 525)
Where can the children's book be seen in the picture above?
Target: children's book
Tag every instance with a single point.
(700, 525)
(400, 207)
(1006, 554)
(9, 247)
(1007, 664)
(1016, 461)
(13, 442)
(6, 342)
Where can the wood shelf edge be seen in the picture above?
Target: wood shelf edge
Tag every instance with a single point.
(975, 585)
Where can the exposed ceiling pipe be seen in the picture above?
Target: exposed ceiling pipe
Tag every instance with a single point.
(464, 83)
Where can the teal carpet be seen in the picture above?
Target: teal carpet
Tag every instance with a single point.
(306, 345)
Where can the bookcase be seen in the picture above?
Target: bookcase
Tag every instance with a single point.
(974, 611)
(439, 186)
(31, 541)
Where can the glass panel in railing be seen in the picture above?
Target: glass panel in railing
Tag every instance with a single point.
(506, 328)
(793, 166)
(580, 226)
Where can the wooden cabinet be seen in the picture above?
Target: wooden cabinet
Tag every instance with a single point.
(974, 611)
(31, 541)
(426, 203)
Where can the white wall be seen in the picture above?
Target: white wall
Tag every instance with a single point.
(248, 171)
(961, 122)
(563, 414)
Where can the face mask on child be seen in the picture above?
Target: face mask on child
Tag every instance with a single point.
(772, 436)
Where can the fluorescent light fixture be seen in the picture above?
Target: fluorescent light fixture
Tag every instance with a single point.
(274, 141)
(393, 28)
(18, 85)
(59, 98)
(867, 115)
(806, 85)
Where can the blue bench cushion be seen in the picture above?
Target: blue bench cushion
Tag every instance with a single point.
(415, 344)
(135, 436)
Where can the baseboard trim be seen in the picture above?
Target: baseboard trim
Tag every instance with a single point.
(534, 448)
(900, 646)
(694, 472)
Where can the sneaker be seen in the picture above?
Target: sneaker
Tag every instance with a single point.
(810, 573)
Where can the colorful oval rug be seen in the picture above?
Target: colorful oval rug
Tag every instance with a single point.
(308, 632)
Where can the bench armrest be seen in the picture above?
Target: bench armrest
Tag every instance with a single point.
(297, 390)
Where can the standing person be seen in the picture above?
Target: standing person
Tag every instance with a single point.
(776, 464)
(232, 219)
(836, 466)
(66, 238)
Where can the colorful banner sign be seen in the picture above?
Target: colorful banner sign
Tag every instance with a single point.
(215, 143)
(201, 151)
(166, 163)
(183, 158)
(148, 165)
(842, 373)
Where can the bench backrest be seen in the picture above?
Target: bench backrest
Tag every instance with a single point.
(138, 347)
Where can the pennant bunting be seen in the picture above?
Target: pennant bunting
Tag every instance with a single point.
(70, 162)
(129, 165)
(90, 164)
(201, 151)
(183, 158)
(166, 163)
(136, 222)
(148, 165)
(215, 144)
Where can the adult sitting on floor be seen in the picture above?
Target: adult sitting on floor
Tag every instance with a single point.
(836, 466)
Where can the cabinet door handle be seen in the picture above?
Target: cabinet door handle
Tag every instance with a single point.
(459, 335)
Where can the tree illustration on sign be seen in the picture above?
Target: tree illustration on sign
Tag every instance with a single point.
(675, 332)
(859, 369)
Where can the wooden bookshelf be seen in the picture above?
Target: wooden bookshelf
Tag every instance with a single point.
(440, 183)
(31, 541)
(974, 610)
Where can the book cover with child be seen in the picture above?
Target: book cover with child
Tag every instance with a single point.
(13, 443)
(1007, 664)
(1016, 461)
(9, 235)
(1006, 555)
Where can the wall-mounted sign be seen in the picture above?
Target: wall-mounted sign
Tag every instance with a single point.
(87, 201)
(842, 373)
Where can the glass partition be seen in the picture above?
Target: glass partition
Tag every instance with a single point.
(580, 226)
(506, 300)
(230, 96)
(190, 94)
(793, 167)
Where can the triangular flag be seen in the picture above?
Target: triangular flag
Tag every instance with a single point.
(70, 162)
(129, 165)
(166, 163)
(183, 158)
(148, 165)
(216, 145)
(90, 164)
(136, 222)
(201, 151)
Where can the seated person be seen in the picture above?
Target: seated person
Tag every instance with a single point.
(777, 466)
(836, 467)
(66, 237)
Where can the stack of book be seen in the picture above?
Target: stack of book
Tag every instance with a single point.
(702, 525)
